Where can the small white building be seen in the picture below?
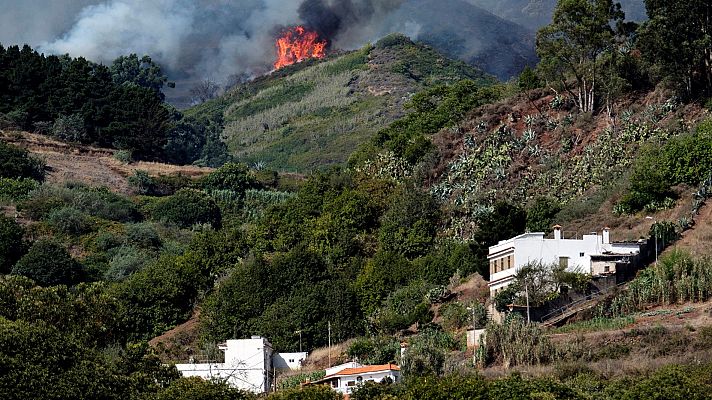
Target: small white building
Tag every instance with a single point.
(288, 361)
(593, 254)
(346, 379)
(248, 365)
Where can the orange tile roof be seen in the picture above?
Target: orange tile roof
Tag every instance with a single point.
(366, 369)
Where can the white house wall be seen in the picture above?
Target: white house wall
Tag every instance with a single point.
(533, 247)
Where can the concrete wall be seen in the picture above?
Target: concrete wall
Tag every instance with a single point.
(288, 361)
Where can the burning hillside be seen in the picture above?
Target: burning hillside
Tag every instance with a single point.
(298, 44)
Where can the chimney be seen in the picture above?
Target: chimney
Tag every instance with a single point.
(557, 232)
(606, 235)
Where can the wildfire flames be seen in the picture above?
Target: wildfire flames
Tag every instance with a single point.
(297, 44)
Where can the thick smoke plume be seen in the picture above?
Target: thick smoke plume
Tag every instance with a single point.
(192, 39)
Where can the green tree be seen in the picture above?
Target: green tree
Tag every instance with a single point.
(572, 45)
(505, 222)
(677, 42)
(186, 208)
(138, 71)
(410, 224)
(11, 244)
(139, 121)
(320, 392)
(199, 389)
(17, 163)
(540, 216)
(48, 264)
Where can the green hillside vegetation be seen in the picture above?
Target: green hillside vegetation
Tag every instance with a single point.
(309, 116)
(375, 249)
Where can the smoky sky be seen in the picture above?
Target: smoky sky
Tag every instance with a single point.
(191, 39)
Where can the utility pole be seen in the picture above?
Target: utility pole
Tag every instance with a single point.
(329, 343)
(655, 232)
(526, 293)
(474, 335)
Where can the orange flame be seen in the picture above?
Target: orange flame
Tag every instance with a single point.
(297, 44)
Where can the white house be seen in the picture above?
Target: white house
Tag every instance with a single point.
(248, 365)
(593, 254)
(288, 361)
(348, 378)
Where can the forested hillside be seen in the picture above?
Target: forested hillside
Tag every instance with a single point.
(421, 164)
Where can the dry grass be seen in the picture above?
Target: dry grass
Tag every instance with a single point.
(91, 165)
(698, 239)
(180, 343)
(319, 358)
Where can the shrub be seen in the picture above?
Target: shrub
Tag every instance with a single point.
(16, 189)
(515, 342)
(49, 264)
(187, 208)
(69, 221)
(70, 128)
(105, 241)
(196, 388)
(163, 185)
(374, 350)
(11, 245)
(143, 235)
(124, 156)
(126, 261)
(16, 163)
(684, 159)
(540, 216)
(231, 176)
(319, 392)
(97, 202)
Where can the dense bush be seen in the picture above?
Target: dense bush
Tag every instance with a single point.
(374, 350)
(158, 296)
(16, 189)
(516, 342)
(68, 221)
(199, 389)
(48, 263)
(125, 261)
(143, 235)
(402, 308)
(685, 159)
(11, 244)
(97, 202)
(409, 225)
(231, 176)
(426, 354)
(541, 214)
(187, 208)
(17, 163)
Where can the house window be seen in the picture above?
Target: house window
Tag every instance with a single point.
(509, 262)
(563, 262)
(491, 267)
(581, 254)
(291, 360)
(351, 383)
(607, 268)
(359, 379)
(334, 384)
